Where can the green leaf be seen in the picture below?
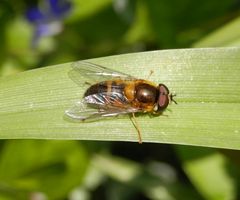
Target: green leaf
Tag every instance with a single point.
(50, 167)
(206, 82)
(82, 9)
(156, 180)
(209, 171)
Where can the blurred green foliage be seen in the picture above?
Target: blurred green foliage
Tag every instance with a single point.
(97, 170)
(100, 28)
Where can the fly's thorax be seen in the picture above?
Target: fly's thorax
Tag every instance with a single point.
(145, 95)
(129, 90)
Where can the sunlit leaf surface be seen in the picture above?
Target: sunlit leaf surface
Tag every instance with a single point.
(206, 82)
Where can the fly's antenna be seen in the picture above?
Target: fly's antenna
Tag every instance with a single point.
(171, 98)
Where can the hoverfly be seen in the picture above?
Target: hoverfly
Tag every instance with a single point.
(112, 93)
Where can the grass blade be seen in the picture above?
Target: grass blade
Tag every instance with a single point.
(206, 81)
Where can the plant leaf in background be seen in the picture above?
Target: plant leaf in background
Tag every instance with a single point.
(156, 180)
(227, 35)
(34, 102)
(209, 171)
(50, 167)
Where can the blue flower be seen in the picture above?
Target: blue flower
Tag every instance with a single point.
(47, 18)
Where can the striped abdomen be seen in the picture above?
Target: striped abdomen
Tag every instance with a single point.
(106, 87)
(108, 92)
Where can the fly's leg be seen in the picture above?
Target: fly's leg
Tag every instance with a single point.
(134, 121)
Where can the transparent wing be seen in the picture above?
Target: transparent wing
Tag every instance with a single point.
(97, 106)
(81, 111)
(85, 72)
(112, 99)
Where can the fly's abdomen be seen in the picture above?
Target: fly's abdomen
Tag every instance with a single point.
(96, 89)
(108, 92)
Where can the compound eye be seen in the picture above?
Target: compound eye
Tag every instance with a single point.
(163, 99)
